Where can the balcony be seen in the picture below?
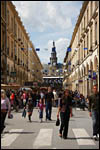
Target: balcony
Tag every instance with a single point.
(95, 14)
(83, 34)
(90, 23)
(91, 50)
(86, 30)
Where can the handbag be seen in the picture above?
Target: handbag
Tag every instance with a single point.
(58, 122)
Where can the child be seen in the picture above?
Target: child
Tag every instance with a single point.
(41, 106)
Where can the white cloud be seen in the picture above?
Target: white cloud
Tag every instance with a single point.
(47, 21)
(61, 47)
(40, 16)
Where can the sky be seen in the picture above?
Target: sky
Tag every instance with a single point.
(48, 21)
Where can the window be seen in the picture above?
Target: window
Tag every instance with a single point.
(87, 43)
(12, 49)
(95, 32)
(79, 34)
(3, 4)
(84, 22)
(82, 52)
(82, 27)
(91, 38)
(15, 29)
(15, 50)
(3, 40)
(91, 7)
(8, 45)
(18, 32)
(8, 69)
(12, 25)
(8, 17)
(87, 16)
(96, 4)
(84, 47)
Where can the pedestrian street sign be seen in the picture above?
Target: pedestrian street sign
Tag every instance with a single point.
(69, 49)
(37, 49)
(85, 48)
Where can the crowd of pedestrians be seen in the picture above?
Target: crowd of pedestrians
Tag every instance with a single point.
(27, 100)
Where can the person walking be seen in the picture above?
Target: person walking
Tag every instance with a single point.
(64, 109)
(12, 97)
(48, 102)
(37, 97)
(30, 106)
(41, 107)
(33, 94)
(94, 111)
(16, 102)
(5, 108)
(24, 95)
(55, 104)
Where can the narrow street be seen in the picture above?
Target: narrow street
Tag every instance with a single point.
(21, 134)
(50, 58)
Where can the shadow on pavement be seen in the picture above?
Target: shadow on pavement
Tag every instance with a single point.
(7, 132)
(73, 138)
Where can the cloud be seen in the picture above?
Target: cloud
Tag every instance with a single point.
(61, 46)
(47, 21)
(39, 16)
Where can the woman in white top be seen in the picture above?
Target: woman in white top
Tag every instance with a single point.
(5, 107)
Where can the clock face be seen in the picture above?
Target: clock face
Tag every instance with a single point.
(54, 64)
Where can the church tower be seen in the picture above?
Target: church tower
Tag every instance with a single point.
(53, 58)
(53, 61)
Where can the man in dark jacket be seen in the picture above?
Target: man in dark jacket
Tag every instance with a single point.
(94, 111)
(48, 102)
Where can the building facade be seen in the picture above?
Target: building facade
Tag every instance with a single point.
(17, 48)
(34, 65)
(3, 41)
(84, 55)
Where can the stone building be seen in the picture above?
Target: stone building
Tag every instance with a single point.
(84, 55)
(3, 41)
(16, 48)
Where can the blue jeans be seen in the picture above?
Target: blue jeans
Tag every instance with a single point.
(40, 114)
(48, 110)
(95, 118)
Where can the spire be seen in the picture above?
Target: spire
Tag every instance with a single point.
(53, 44)
(53, 48)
